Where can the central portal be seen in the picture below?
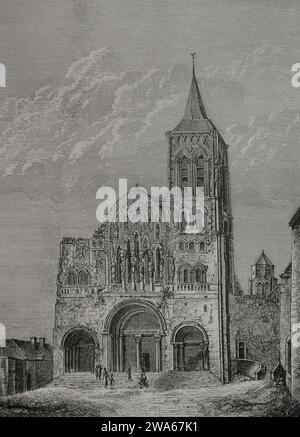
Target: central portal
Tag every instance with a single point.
(135, 333)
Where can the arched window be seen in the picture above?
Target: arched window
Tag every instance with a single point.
(259, 289)
(128, 262)
(185, 276)
(200, 275)
(200, 171)
(191, 246)
(83, 277)
(184, 175)
(157, 231)
(202, 246)
(157, 264)
(72, 278)
(181, 246)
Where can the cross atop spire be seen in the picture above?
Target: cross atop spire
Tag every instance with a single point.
(193, 54)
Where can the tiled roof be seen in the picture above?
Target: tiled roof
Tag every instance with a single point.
(25, 350)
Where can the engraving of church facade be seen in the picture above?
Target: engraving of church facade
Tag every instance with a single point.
(151, 294)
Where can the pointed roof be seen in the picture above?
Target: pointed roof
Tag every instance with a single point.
(195, 118)
(263, 260)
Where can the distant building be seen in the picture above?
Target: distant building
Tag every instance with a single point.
(262, 281)
(295, 307)
(25, 365)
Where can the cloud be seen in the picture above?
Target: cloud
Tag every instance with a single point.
(103, 123)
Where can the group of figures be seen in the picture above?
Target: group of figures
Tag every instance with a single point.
(107, 378)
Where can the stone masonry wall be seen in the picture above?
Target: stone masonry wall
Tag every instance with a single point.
(256, 321)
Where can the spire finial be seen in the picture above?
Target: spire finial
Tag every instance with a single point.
(193, 54)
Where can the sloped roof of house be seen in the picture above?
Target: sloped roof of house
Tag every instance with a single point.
(25, 350)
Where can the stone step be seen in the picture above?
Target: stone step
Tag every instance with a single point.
(167, 380)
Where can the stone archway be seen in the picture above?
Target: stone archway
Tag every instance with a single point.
(133, 334)
(79, 350)
(190, 347)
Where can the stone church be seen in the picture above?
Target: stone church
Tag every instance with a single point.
(152, 294)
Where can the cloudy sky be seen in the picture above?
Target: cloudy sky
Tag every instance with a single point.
(92, 87)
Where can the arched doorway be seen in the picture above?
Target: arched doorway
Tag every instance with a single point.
(190, 348)
(79, 351)
(133, 332)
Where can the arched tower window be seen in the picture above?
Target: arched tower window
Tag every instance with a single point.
(181, 246)
(200, 171)
(259, 289)
(72, 278)
(202, 246)
(128, 262)
(157, 231)
(83, 277)
(184, 172)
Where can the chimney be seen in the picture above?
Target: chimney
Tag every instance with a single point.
(42, 341)
(33, 341)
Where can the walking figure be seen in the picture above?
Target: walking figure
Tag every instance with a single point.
(129, 372)
(111, 378)
(105, 377)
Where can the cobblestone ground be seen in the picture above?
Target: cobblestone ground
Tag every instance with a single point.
(168, 395)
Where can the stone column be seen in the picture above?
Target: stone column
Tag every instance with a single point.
(150, 267)
(138, 339)
(157, 353)
(66, 360)
(73, 359)
(117, 352)
(181, 357)
(121, 353)
(175, 356)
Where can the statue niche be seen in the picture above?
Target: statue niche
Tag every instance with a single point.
(99, 268)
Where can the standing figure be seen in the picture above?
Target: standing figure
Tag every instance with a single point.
(129, 372)
(100, 372)
(96, 370)
(111, 378)
(105, 377)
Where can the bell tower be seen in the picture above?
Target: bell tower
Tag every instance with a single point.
(198, 158)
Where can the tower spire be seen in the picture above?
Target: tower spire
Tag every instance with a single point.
(194, 108)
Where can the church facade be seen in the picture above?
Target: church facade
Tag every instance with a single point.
(151, 294)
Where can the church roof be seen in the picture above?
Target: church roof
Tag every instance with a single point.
(195, 118)
(295, 219)
(263, 259)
